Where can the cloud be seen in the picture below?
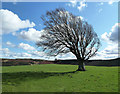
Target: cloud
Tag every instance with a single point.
(66, 56)
(20, 55)
(25, 55)
(110, 52)
(11, 23)
(113, 36)
(110, 49)
(111, 2)
(62, 14)
(100, 10)
(31, 35)
(72, 3)
(80, 17)
(9, 54)
(10, 44)
(37, 53)
(6, 53)
(21, 45)
(82, 4)
(105, 36)
(112, 39)
(26, 46)
(101, 3)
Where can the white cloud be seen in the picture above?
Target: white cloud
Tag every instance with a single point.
(101, 3)
(11, 22)
(110, 49)
(82, 4)
(25, 55)
(37, 53)
(21, 45)
(80, 17)
(100, 10)
(26, 46)
(113, 36)
(73, 3)
(4, 52)
(31, 52)
(31, 35)
(20, 55)
(67, 13)
(79, 4)
(105, 36)
(10, 44)
(110, 52)
(112, 39)
(111, 2)
(66, 56)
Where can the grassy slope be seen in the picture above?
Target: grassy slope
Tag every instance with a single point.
(52, 78)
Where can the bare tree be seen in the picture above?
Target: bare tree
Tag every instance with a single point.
(65, 32)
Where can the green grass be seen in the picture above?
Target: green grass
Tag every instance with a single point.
(59, 78)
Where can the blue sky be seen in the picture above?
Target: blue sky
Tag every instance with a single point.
(22, 25)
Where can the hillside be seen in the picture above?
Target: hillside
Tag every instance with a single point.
(14, 62)
(112, 62)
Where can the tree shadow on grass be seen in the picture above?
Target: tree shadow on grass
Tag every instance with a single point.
(18, 77)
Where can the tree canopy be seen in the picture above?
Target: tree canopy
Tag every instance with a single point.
(65, 32)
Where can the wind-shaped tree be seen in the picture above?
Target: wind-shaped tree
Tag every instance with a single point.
(65, 32)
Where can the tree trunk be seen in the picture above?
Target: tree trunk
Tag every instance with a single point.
(81, 65)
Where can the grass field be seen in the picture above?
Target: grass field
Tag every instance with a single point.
(59, 78)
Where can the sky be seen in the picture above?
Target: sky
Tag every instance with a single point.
(21, 26)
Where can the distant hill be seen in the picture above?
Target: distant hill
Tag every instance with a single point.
(112, 62)
(14, 62)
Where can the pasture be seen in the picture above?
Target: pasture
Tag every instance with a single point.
(59, 78)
